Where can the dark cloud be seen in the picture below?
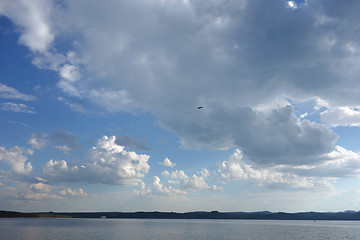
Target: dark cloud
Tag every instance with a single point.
(67, 141)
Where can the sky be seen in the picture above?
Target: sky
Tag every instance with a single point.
(99, 105)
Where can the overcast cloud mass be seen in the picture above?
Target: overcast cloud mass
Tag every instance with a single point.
(277, 82)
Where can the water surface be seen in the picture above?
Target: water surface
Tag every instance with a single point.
(161, 229)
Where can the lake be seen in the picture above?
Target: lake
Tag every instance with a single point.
(161, 229)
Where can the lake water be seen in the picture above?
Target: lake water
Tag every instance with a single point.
(140, 229)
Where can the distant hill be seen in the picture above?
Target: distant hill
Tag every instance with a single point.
(10, 214)
(346, 215)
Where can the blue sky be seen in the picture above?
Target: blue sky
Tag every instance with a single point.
(99, 105)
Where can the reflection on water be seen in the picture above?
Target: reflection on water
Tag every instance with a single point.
(139, 229)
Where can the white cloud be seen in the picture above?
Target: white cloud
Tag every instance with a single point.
(69, 73)
(112, 100)
(68, 192)
(236, 169)
(341, 116)
(73, 106)
(158, 189)
(16, 159)
(179, 174)
(179, 184)
(167, 163)
(321, 103)
(69, 88)
(30, 195)
(194, 182)
(64, 148)
(33, 19)
(42, 191)
(316, 175)
(16, 107)
(37, 141)
(304, 115)
(216, 188)
(292, 5)
(40, 187)
(338, 163)
(11, 93)
(109, 164)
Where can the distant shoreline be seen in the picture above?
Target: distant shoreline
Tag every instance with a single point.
(264, 215)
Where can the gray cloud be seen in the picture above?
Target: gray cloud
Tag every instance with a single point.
(68, 141)
(241, 60)
(59, 138)
(130, 141)
(266, 137)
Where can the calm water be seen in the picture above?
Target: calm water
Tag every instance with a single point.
(139, 229)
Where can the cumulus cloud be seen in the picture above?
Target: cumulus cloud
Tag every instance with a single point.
(167, 163)
(7, 92)
(42, 191)
(317, 175)
(341, 116)
(338, 163)
(16, 159)
(16, 107)
(177, 174)
(178, 184)
(37, 191)
(235, 169)
(275, 136)
(158, 189)
(109, 163)
(233, 58)
(194, 182)
(68, 192)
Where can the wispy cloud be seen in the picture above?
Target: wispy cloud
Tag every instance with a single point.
(7, 92)
(16, 107)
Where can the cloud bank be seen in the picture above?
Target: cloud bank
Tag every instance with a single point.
(243, 61)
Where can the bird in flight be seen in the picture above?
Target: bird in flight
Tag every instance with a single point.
(199, 107)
